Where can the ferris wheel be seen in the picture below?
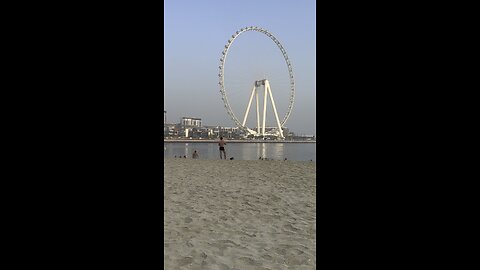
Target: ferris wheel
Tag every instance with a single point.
(258, 86)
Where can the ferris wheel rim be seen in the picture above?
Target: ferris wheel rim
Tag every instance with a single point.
(222, 78)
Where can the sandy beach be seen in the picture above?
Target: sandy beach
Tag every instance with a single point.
(239, 214)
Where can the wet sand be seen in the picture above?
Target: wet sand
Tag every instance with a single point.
(223, 214)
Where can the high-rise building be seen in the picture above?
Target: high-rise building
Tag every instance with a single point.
(191, 122)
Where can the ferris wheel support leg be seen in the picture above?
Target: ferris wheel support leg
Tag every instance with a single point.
(267, 86)
(264, 110)
(248, 106)
(258, 113)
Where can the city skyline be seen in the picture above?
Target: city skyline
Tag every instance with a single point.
(195, 35)
(199, 123)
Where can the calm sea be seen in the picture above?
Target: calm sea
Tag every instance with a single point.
(244, 151)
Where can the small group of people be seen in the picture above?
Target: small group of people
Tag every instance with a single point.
(262, 158)
(221, 145)
(194, 155)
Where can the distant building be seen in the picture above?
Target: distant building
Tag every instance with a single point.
(226, 132)
(192, 128)
(191, 122)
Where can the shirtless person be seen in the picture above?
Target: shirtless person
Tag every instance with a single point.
(222, 144)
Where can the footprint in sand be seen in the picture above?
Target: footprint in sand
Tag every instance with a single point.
(184, 261)
(289, 227)
(249, 261)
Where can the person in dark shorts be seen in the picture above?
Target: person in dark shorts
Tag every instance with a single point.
(221, 145)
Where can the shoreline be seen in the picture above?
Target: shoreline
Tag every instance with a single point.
(231, 141)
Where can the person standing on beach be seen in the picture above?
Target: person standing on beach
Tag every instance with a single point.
(195, 154)
(221, 145)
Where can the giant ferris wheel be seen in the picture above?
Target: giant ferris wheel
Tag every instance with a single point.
(259, 88)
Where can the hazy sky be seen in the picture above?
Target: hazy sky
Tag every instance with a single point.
(196, 32)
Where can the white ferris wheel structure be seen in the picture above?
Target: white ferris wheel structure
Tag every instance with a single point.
(260, 87)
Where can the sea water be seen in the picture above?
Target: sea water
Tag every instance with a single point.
(244, 151)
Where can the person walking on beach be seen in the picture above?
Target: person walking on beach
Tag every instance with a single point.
(221, 145)
(195, 154)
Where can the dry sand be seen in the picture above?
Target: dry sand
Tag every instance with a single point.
(224, 214)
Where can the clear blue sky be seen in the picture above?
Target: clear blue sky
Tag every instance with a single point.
(195, 34)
